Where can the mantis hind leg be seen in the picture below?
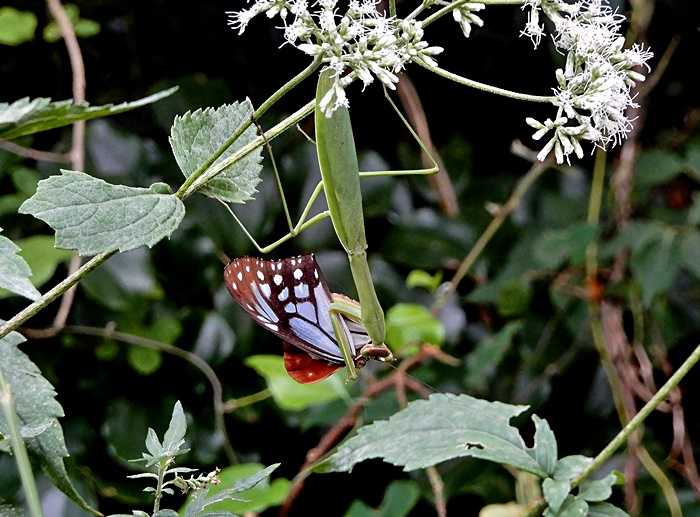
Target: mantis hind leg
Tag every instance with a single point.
(302, 224)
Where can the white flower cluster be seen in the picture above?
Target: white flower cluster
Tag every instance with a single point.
(359, 44)
(595, 87)
(465, 17)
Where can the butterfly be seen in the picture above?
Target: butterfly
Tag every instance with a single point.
(290, 298)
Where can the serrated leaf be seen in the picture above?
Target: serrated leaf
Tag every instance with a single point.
(35, 404)
(399, 500)
(657, 167)
(42, 258)
(655, 265)
(26, 116)
(570, 467)
(175, 435)
(289, 394)
(16, 27)
(572, 507)
(428, 432)
(597, 490)
(554, 247)
(14, 270)
(241, 484)
(483, 361)
(635, 235)
(196, 136)
(511, 509)
(93, 216)
(408, 325)
(513, 297)
(605, 510)
(690, 252)
(165, 512)
(545, 448)
(555, 492)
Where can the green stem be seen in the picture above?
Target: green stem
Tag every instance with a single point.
(594, 208)
(19, 449)
(639, 418)
(234, 404)
(392, 8)
(162, 467)
(621, 438)
(18, 319)
(192, 185)
(485, 87)
(454, 5)
(513, 202)
(257, 114)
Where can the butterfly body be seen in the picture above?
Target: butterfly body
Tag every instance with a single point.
(290, 298)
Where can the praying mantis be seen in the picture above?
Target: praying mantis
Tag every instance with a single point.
(340, 182)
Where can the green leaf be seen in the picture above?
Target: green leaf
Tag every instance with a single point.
(634, 236)
(655, 265)
(26, 116)
(511, 509)
(248, 483)
(483, 361)
(14, 270)
(289, 394)
(42, 257)
(513, 297)
(175, 435)
(195, 136)
(605, 510)
(694, 210)
(144, 360)
(597, 490)
(555, 492)
(545, 448)
(572, 507)
(657, 167)
(83, 28)
(93, 216)
(37, 408)
(570, 467)
(690, 252)
(424, 280)
(399, 500)
(16, 27)
(441, 428)
(408, 325)
(555, 247)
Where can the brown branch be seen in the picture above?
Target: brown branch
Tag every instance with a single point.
(77, 152)
(440, 182)
(351, 417)
(33, 154)
(438, 487)
(109, 332)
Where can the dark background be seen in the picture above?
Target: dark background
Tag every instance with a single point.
(146, 46)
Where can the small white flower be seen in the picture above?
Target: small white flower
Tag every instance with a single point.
(465, 17)
(594, 92)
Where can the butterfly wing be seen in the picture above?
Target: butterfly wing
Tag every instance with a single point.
(290, 298)
(305, 369)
